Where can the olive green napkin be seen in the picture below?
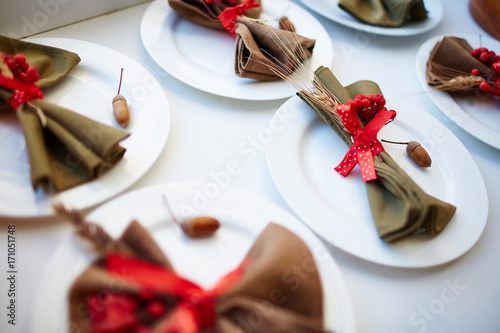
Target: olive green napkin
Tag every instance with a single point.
(262, 50)
(72, 148)
(265, 288)
(205, 14)
(385, 13)
(451, 59)
(399, 206)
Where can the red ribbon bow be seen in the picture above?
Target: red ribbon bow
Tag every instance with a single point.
(23, 91)
(194, 311)
(230, 14)
(365, 143)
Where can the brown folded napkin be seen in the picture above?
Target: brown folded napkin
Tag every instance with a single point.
(385, 13)
(263, 51)
(399, 206)
(206, 14)
(120, 296)
(450, 64)
(70, 149)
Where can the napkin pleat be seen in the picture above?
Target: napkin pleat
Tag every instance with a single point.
(262, 51)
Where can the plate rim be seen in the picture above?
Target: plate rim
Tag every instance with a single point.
(258, 94)
(53, 197)
(305, 215)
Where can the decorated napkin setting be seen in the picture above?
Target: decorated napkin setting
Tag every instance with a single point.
(261, 50)
(132, 287)
(454, 66)
(65, 148)
(357, 112)
(385, 13)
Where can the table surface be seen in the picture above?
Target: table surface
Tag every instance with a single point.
(461, 296)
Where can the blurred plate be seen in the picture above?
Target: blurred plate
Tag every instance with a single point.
(88, 89)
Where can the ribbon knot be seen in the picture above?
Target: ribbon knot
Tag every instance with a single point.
(230, 14)
(23, 91)
(365, 143)
(195, 308)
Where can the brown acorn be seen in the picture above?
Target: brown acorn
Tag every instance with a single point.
(285, 24)
(196, 227)
(418, 154)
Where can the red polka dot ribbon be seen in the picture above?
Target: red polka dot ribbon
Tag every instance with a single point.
(194, 310)
(365, 143)
(230, 14)
(23, 91)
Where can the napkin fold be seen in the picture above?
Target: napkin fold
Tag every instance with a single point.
(398, 205)
(70, 148)
(262, 51)
(269, 289)
(207, 14)
(451, 59)
(385, 13)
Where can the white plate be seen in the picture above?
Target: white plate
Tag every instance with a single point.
(302, 157)
(204, 261)
(204, 58)
(331, 10)
(88, 89)
(478, 115)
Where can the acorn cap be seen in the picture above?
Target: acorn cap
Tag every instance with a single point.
(118, 97)
(411, 146)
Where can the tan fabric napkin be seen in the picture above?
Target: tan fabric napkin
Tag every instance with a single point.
(205, 14)
(72, 148)
(451, 59)
(385, 13)
(262, 51)
(283, 300)
(398, 205)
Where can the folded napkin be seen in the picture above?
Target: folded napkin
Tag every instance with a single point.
(399, 206)
(263, 51)
(385, 13)
(64, 148)
(133, 286)
(206, 13)
(450, 65)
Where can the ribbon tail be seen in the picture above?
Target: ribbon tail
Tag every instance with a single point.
(365, 160)
(348, 163)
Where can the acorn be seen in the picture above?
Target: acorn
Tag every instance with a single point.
(196, 227)
(417, 153)
(285, 24)
(120, 107)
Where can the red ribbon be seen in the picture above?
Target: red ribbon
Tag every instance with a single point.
(230, 14)
(195, 309)
(365, 143)
(23, 92)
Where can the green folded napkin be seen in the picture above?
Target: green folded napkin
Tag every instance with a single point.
(71, 149)
(399, 206)
(385, 13)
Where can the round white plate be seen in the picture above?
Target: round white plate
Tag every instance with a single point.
(203, 261)
(204, 58)
(88, 89)
(302, 157)
(331, 10)
(478, 115)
